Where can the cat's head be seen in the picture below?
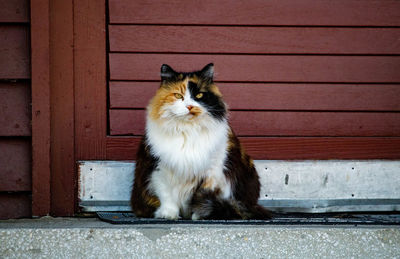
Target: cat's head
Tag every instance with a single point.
(188, 96)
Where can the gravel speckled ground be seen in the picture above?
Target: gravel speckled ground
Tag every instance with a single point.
(89, 238)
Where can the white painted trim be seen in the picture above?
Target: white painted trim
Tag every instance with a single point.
(287, 186)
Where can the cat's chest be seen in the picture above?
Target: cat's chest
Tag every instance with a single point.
(187, 151)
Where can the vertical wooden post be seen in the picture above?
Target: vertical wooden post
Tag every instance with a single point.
(62, 108)
(40, 63)
(90, 79)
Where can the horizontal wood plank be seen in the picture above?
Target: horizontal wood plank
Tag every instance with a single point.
(15, 205)
(15, 161)
(122, 148)
(335, 124)
(14, 52)
(15, 109)
(125, 148)
(260, 68)
(322, 148)
(258, 40)
(327, 97)
(267, 123)
(14, 10)
(257, 12)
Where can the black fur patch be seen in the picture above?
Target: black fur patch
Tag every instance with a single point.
(213, 103)
(240, 170)
(207, 205)
(142, 202)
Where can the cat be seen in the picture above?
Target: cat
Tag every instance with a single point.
(190, 164)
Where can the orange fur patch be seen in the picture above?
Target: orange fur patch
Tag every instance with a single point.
(214, 89)
(151, 200)
(194, 79)
(208, 184)
(166, 94)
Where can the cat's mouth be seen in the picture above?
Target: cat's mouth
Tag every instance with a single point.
(194, 113)
(190, 115)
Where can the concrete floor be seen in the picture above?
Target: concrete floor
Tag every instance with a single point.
(90, 238)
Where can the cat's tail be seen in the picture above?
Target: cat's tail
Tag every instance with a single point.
(259, 212)
(207, 204)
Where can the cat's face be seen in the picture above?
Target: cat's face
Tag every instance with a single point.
(187, 97)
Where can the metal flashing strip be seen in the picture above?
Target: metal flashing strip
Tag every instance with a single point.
(331, 205)
(287, 186)
(301, 219)
(280, 206)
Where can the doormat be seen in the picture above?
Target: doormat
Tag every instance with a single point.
(292, 219)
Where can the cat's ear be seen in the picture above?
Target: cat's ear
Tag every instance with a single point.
(167, 73)
(208, 72)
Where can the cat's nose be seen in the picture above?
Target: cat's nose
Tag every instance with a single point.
(189, 107)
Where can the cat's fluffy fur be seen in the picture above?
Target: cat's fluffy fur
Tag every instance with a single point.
(190, 164)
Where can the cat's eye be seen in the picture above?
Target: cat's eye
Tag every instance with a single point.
(178, 96)
(199, 95)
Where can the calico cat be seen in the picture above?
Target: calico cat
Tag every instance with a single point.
(190, 164)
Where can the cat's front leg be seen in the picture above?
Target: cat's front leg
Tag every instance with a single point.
(161, 185)
(167, 211)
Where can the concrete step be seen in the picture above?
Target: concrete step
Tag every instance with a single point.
(90, 238)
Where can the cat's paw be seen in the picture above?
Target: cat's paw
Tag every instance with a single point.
(195, 216)
(167, 213)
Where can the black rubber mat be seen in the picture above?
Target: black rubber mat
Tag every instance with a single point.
(293, 219)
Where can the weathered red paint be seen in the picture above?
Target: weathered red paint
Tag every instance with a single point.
(262, 68)
(257, 12)
(14, 11)
(15, 109)
(15, 205)
(40, 59)
(62, 109)
(15, 161)
(90, 79)
(253, 40)
(14, 52)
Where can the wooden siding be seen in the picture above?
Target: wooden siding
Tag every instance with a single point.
(301, 82)
(90, 79)
(254, 40)
(263, 68)
(15, 205)
(61, 92)
(257, 12)
(14, 51)
(40, 41)
(15, 161)
(15, 110)
(15, 11)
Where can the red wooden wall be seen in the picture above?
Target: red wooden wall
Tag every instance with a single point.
(303, 79)
(15, 110)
